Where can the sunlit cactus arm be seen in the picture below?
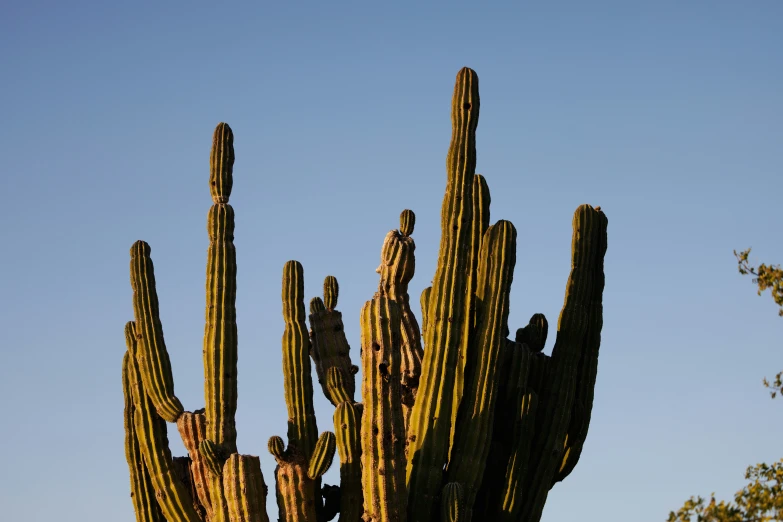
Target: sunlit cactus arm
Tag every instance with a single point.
(479, 225)
(244, 489)
(330, 348)
(398, 265)
(474, 426)
(302, 428)
(174, 500)
(151, 355)
(583, 296)
(383, 435)
(142, 491)
(347, 429)
(430, 423)
(220, 332)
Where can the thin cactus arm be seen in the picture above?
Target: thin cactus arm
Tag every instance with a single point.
(430, 423)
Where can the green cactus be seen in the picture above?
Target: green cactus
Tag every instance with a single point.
(245, 489)
(321, 459)
(430, 424)
(330, 349)
(457, 422)
(142, 491)
(398, 264)
(383, 430)
(347, 428)
(473, 433)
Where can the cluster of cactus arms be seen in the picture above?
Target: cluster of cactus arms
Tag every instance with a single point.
(457, 421)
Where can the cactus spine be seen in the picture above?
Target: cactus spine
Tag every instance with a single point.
(474, 426)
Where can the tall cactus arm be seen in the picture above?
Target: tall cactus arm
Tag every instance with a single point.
(142, 492)
(430, 423)
(583, 296)
(151, 355)
(220, 331)
(173, 499)
(474, 428)
(383, 435)
(302, 428)
(588, 366)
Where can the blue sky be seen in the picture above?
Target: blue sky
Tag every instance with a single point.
(667, 115)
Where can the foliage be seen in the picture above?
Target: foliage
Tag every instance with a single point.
(759, 501)
(765, 276)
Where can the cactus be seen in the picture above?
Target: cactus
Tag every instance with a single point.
(398, 264)
(457, 422)
(383, 431)
(330, 349)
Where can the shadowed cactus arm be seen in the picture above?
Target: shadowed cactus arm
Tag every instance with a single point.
(452, 507)
(588, 366)
(512, 493)
(579, 316)
(430, 423)
(173, 498)
(142, 490)
(383, 435)
(474, 425)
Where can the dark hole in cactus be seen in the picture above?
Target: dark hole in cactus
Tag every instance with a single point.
(383, 368)
(375, 430)
(376, 346)
(466, 106)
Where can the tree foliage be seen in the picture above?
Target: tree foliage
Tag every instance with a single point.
(765, 277)
(760, 501)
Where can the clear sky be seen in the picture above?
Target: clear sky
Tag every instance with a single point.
(667, 114)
